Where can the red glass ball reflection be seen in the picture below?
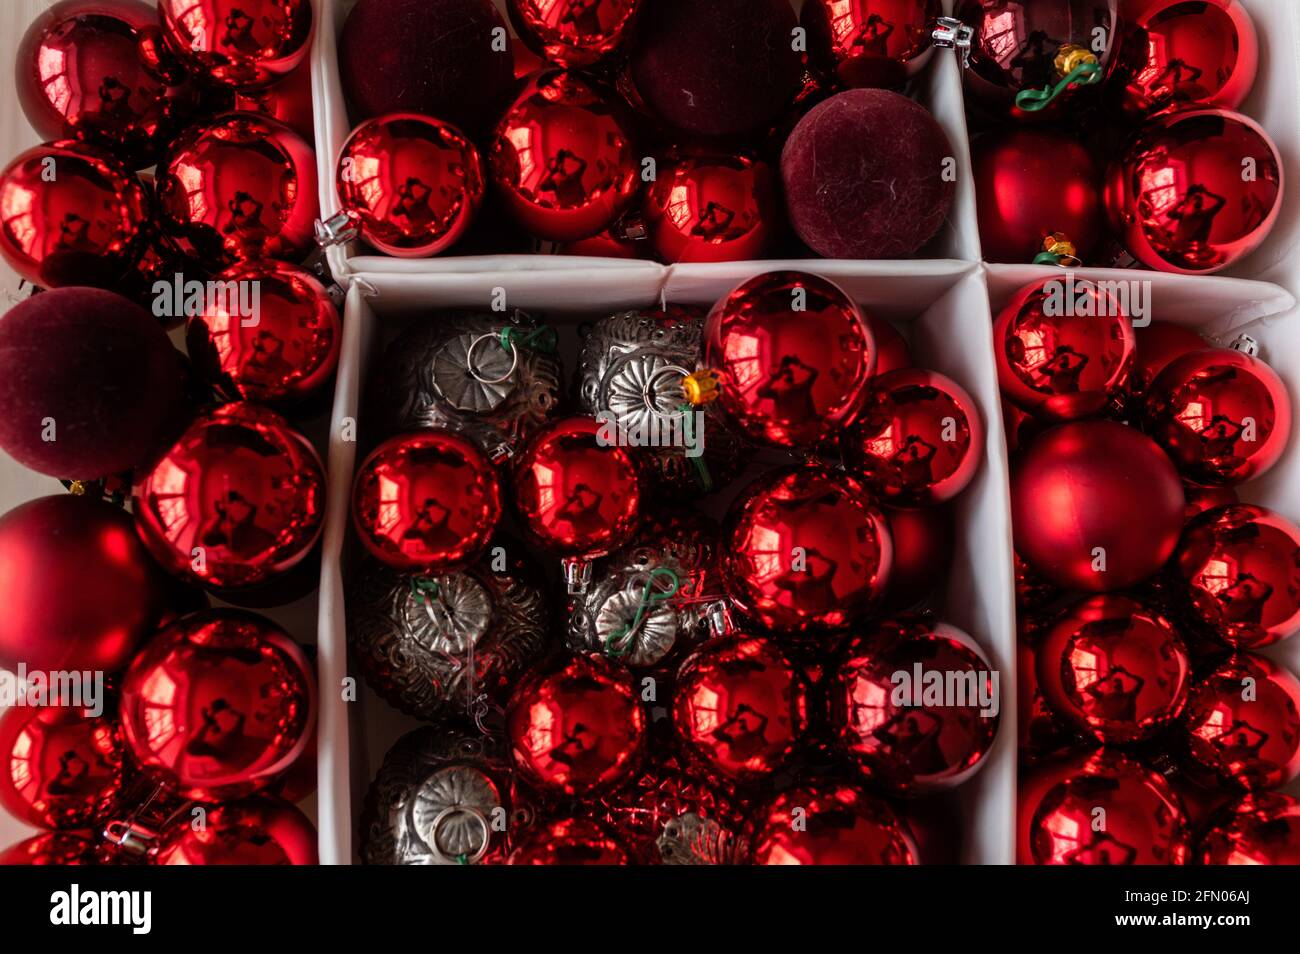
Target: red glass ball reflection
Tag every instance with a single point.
(238, 43)
(892, 350)
(568, 841)
(256, 831)
(219, 704)
(1261, 829)
(413, 184)
(843, 825)
(237, 500)
(426, 501)
(711, 207)
(870, 42)
(923, 549)
(574, 33)
(806, 549)
(1159, 343)
(52, 848)
(660, 802)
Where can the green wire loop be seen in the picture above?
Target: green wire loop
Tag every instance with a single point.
(541, 338)
(701, 468)
(1032, 100)
(1047, 258)
(619, 642)
(426, 589)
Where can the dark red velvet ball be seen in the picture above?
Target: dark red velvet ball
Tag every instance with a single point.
(92, 371)
(864, 176)
(716, 67)
(426, 56)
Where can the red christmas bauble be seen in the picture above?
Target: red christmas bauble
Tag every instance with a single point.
(55, 546)
(426, 501)
(576, 728)
(793, 355)
(1239, 568)
(70, 214)
(287, 100)
(1040, 733)
(256, 831)
(284, 348)
(218, 705)
(568, 841)
(892, 350)
(1195, 191)
(806, 549)
(52, 848)
(670, 816)
(1032, 591)
(1159, 343)
(917, 441)
(573, 33)
(740, 707)
(923, 548)
(413, 185)
(913, 735)
(1114, 668)
(1201, 499)
(1243, 723)
(237, 500)
(1031, 184)
(1095, 506)
(578, 494)
(1223, 416)
(1099, 808)
(870, 42)
(1261, 829)
(238, 43)
(841, 825)
(1175, 55)
(1064, 349)
(562, 158)
(237, 187)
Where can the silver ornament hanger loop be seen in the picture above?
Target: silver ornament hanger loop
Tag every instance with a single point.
(454, 811)
(648, 388)
(474, 372)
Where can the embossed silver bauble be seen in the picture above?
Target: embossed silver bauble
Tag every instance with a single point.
(630, 373)
(457, 370)
(446, 644)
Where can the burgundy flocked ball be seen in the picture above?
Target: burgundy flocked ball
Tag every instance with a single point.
(864, 176)
(716, 67)
(435, 57)
(89, 383)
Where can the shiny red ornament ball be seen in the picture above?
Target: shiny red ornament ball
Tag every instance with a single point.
(917, 441)
(1243, 723)
(1239, 570)
(870, 42)
(238, 43)
(892, 350)
(284, 348)
(1201, 499)
(740, 708)
(412, 185)
(1114, 668)
(1064, 348)
(1195, 191)
(52, 848)
(805, 550)
(562, 158)
(426, 501)
(287, 100)
(218, 705)
(1159, 343)
(1261, 829)
(669, 815)
(1095, 506)
(574, 33)
(568, 841)
(793, 355)
(237, 500)
(923, 548)
(255, 831)
(706, 206)
(578, 493)
(236, 187)
(577, 728)
(1223, 416)
(54, 547)
(840, 825)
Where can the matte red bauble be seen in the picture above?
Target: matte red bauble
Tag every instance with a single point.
(55, 546)
(283, 349)
(237, 187)
(1159, 343)
(1239, 568)
(256, 831)
(1174, 55)
(740, 707)
(218, 705)
(805, 549)
(911, 736)
(238, 43)
(1031, 184)
(1195, 191)
(1114, 668)
(1064, 348)
(711, 207)
(841, 825)
(793, 355)
(237, 500)
(426, 501)
(562, 158)
(568, 841)
(573, 33)
(411, 185)
(1243, 723)
(1223, 416)
(870, 42)
(576, 728)
(917, 441)
(1095, 506)
(579, 496)
(70, 214)
(1261, 829)
(1101, 808)
(923, 548)
(287, 100)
